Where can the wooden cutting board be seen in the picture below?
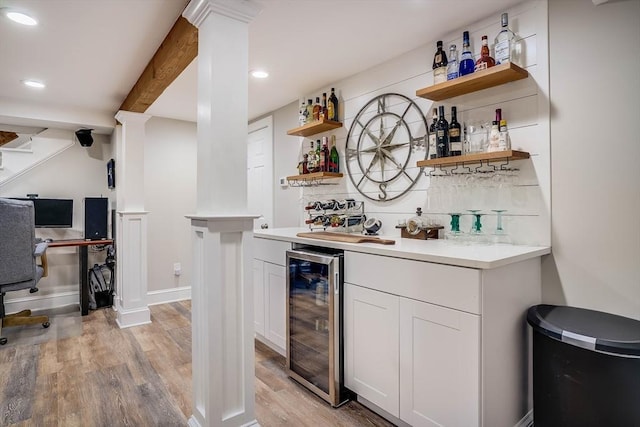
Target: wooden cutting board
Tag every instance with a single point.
(344, 237)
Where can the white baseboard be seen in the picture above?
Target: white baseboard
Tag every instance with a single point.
(168, 295)
(135, 317)
(42, 302)
(63, 299)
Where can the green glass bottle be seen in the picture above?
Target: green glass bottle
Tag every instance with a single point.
(334, 159)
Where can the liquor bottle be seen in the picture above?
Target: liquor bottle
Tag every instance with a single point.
(305, 164)
(317, 108)
(504, 141)
(334, 159)
(309, 110)
(325, 153)
(311, 159)
(442, 134)
(319, 159)
(439, 64)
(325, 111)
(455, 141)
(433, 150)
(505, 46)
(494, 135)
(466, 59)
(333, 106)
(302, 118)
(485, 61)
(452, 67)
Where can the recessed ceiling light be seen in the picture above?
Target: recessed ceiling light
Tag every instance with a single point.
(21, 18)
(33, 83)
(259, 74)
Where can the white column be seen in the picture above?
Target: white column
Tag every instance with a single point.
(222, 294)
(131, 232)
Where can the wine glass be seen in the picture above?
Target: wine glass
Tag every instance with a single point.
(500, 235)
(476, 234)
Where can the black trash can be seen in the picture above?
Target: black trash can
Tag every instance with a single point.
(586, 368)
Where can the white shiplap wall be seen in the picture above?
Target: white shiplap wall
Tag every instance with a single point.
(524, 104)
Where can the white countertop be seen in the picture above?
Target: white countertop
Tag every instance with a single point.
(438, 251)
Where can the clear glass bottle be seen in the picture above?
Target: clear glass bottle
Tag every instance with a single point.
(506, 49)
(504, 141)
(452, 67)
(466, 59)
(309, 110)
(311, 159)
(302, 118)
(439, 64)
(485, 61)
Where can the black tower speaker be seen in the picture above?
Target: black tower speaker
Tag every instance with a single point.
(95, 218)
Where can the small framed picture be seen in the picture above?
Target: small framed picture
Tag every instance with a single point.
(111, 173)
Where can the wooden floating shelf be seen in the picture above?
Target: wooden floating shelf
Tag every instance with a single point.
(313, 128)
(475, 158)
(483, 79)
(314, 176)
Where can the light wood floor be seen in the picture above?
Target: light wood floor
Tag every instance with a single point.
(94, 374)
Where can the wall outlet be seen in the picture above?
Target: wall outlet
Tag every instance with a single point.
(283, 181)
(177, 269)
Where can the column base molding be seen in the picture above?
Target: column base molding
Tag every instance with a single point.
(135, 317)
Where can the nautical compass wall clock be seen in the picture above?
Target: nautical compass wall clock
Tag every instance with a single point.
(386, 139)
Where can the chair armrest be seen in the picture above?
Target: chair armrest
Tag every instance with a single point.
(40, 248)
(44, 264)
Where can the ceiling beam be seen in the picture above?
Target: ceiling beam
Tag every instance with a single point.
(175, 53)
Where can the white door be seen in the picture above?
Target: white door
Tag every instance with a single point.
(276, 305)
(439, 366)
(258, 296)
(371, 337)
(260, 172)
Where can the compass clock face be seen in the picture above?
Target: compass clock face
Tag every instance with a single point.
(386, 139)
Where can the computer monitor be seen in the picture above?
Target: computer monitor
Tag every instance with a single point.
(52, 213)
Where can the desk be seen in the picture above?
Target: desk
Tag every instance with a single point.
(83, 263)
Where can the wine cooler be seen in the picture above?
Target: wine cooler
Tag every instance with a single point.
(314, 321)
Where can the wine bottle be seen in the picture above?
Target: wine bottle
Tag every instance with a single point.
(439, 64)
(302, 118)
(324, 162)
(311, 159)
(485, 61)
(319, 157)
(317, 108)
(433, 150)
(305, 164)
(333, 106)
(325, 111)
(452, 67)
(504, 141)
(442, 134)
(455, 142)
(466, 60)
(309, 110)
(334, 159)
(505, 45)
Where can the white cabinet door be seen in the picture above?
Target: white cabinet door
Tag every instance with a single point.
(258, 296)
(439, 365)
(371, 322)
(276, 305)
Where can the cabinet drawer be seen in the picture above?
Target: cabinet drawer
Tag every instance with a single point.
(445, 285)
(272, 251)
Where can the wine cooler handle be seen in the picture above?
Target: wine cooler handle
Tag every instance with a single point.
(336, 283)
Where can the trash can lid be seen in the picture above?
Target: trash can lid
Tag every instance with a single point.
(590, 329)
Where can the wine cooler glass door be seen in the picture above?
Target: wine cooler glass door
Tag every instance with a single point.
(311, 326)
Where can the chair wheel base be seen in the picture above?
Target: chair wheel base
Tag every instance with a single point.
(3, 341)
(46, 325)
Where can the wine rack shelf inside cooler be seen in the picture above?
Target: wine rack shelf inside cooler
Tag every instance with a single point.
(507, 155)
(311, 179)
(315, 127)
(483, 79)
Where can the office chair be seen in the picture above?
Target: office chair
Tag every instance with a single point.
(18, 253)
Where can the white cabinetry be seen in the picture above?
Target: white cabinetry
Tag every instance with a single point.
(439, 345)
(439, 365)
(371, 346)
(270, 299)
